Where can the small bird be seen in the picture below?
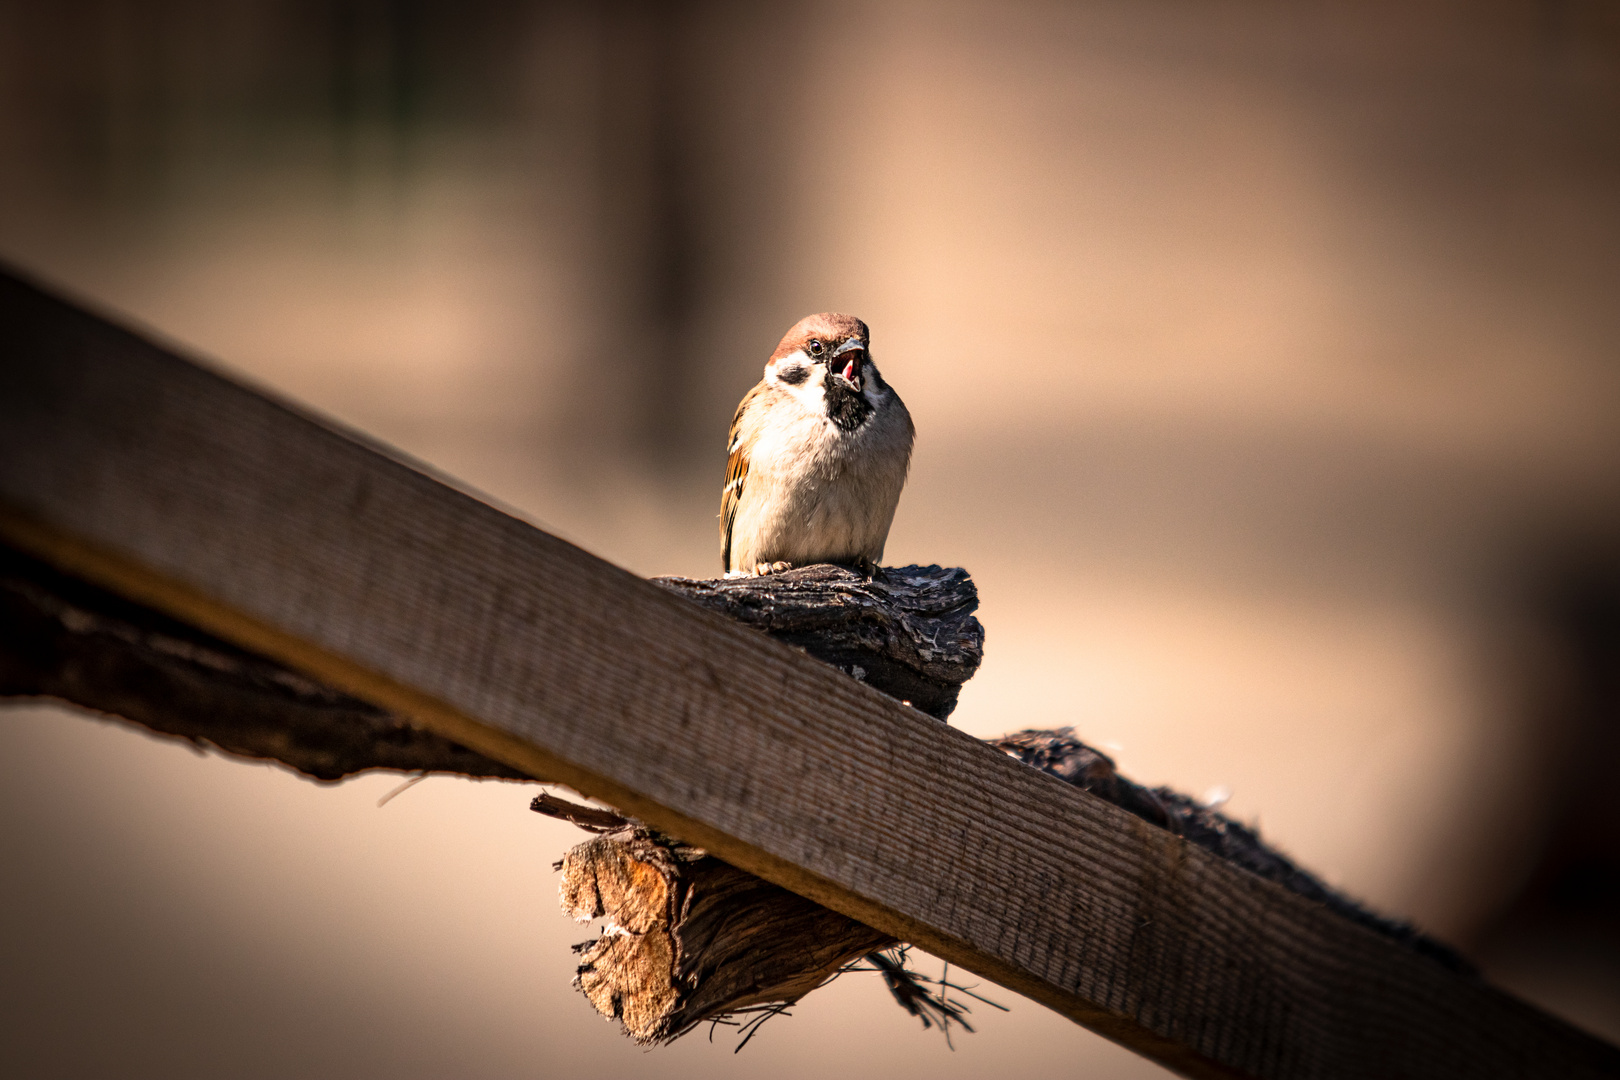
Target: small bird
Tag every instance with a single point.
(818, 455)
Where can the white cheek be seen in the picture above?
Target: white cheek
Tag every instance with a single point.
(812, 392)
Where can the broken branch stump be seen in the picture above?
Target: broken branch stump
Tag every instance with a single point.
(690, 938)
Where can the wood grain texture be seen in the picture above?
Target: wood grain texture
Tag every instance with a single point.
(132, 468)
(691, 938)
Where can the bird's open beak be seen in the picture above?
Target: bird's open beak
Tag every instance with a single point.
(847, 360)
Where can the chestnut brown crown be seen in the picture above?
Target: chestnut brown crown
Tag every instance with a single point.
(829, 327)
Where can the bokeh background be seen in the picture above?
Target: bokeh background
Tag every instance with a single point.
(1266, 364)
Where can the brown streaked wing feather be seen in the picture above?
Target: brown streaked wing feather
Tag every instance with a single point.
(736, 477)
(736, 474)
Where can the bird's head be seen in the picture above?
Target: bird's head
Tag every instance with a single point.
(824, 361)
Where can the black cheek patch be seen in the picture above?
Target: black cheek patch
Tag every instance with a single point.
(846, 408)
(793, 374)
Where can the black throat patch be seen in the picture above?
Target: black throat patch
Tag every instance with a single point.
(846, 407)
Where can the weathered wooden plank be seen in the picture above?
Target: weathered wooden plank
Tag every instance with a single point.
(132, 468)
(65, 638)
(734, 940)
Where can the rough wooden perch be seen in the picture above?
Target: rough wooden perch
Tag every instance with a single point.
(689, 937)
(127, 466)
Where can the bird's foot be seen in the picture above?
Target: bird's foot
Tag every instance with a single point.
(772, 567)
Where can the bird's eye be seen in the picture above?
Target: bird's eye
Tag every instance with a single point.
(815, 347)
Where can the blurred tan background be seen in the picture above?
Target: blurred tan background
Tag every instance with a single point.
(1266, 365)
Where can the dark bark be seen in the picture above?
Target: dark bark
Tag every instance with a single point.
(61, 638)
(908, 631)
(1061, 754)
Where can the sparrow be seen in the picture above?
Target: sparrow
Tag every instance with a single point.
(818, 453)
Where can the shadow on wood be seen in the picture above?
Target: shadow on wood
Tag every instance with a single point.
(64, 639)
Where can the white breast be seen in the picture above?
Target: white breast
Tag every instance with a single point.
(814, 492)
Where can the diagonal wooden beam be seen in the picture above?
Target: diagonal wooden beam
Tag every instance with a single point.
(132, 468)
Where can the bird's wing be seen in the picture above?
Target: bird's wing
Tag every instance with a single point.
(736, 477)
